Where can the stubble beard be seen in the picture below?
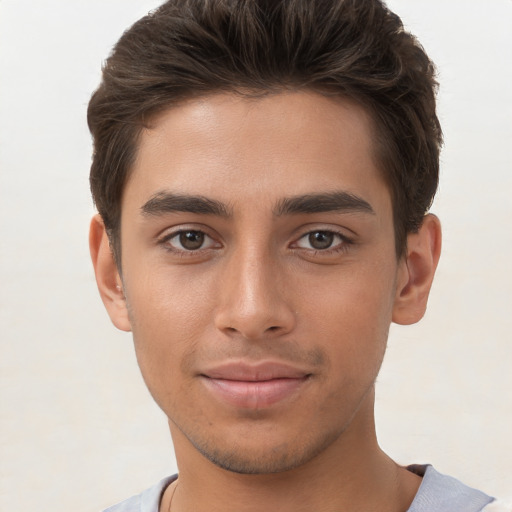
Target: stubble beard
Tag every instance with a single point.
(289, 455)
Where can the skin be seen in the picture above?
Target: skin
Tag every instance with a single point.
(253, 274)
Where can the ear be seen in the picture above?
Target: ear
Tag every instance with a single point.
(416, 272)
(108, 278)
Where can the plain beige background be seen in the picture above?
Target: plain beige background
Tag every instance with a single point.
(78, 429)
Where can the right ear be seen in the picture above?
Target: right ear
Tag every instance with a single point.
(108, 278)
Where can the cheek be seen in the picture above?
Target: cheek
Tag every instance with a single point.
(167, 322)
(352, 313)
(166, 299)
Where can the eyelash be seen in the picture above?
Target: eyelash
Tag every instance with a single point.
(165, 242)
(339, 247)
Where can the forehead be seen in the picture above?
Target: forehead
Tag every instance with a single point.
(238, 149)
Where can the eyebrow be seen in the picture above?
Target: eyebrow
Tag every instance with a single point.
(167, 202)
(324, 202)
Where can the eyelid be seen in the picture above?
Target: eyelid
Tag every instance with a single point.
(169, 233)
(306, 235)
(337, 248)
(345, 233)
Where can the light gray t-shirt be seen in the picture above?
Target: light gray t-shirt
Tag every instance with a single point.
(437, 493)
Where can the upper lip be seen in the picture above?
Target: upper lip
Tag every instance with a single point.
(254, 372)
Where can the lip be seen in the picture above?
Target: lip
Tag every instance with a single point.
(254, 386)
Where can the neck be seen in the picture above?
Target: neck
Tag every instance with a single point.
(351, 474)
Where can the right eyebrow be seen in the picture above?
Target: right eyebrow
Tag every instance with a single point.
(168, 202)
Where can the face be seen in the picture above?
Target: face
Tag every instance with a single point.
(259, 271)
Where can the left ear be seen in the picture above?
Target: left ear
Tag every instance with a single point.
(416, 272)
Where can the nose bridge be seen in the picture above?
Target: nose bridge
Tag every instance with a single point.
(252, 302)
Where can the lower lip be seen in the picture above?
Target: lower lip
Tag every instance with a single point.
(253, 395)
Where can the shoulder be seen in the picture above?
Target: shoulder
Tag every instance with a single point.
(443, 493)
(146, 501)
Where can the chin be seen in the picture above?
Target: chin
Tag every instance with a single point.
(266, 456)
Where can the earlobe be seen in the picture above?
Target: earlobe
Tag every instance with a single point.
(108, 278)
(416, 272)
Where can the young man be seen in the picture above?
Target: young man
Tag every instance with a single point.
(263, 172)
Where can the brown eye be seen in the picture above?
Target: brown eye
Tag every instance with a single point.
(191, 240)
(321, 239)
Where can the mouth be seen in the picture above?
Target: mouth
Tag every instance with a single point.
(250, 386)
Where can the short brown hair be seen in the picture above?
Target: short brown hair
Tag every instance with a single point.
(355, 49)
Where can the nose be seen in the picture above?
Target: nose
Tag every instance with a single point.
(252, 297)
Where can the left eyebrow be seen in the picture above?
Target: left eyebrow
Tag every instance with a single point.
(323, 202)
